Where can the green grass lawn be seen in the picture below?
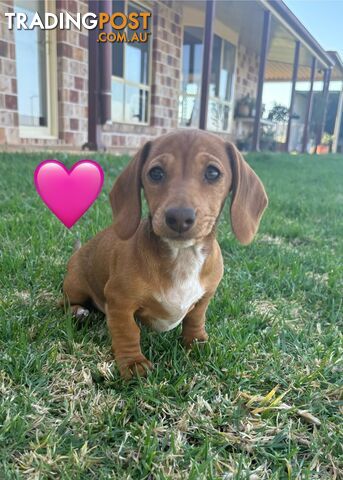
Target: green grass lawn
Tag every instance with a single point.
(261, 400)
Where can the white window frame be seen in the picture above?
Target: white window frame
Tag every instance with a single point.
(51, 130)
(124, 82)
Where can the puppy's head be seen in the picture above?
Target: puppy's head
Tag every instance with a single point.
(186, 176)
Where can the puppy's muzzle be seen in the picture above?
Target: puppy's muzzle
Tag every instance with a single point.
(180, 220)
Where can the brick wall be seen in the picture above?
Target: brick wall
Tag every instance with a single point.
(246, 84)
(72, 77)
(167, 47)
(247, 73)
(9, 132)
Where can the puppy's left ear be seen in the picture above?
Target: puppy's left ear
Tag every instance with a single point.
(249, 198)
(125, 196)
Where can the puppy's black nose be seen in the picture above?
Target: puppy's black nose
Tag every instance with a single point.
(180, 219)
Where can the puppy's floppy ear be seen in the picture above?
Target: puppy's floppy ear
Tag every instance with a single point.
(125, 196)
(249, 198)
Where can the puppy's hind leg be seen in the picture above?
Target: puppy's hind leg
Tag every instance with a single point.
(75, 296)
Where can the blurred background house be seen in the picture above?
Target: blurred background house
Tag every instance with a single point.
(247, 70)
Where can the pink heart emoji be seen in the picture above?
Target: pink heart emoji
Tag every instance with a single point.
(68, 193)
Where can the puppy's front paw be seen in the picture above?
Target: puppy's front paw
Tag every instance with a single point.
(134, 367)
(189, 340)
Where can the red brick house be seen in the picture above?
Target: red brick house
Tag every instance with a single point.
(218, 65)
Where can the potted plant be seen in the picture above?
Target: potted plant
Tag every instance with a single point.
(279, 113)
(325, 144)
(245, 106)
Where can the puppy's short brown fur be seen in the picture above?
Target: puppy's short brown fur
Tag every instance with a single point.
(165, 269)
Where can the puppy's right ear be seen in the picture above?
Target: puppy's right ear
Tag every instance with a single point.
(125, 196)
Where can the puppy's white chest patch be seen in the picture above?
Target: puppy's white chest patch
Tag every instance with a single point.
(185, 291)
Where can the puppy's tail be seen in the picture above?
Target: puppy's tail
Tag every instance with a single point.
(77, 245)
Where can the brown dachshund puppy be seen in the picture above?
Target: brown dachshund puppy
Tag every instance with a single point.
(165, 269)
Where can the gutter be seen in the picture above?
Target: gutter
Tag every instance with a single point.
(99, 80)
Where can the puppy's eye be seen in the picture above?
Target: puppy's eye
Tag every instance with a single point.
(156, 174)
(212, 173)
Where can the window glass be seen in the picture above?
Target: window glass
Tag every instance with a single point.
(186, 56)
(130, 97)
(137, 64)
(136, 100)
(215, 68)
(227, 71)
(31, 68)
(220, 85)
(218, 116)
(137, 57)
(192, 62)
(118, 47)
(117, 101)
(189, 110)
(191, 76)
(118, 59)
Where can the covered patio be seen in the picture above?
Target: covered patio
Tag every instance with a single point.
(289, 98)
(248, 71)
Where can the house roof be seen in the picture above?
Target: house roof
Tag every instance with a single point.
(280, 9)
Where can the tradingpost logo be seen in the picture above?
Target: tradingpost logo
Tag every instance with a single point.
(116, 27)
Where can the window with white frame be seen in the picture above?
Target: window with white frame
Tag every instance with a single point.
(191, 77)
(36, 73)
(130, 75)
(220, 103)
